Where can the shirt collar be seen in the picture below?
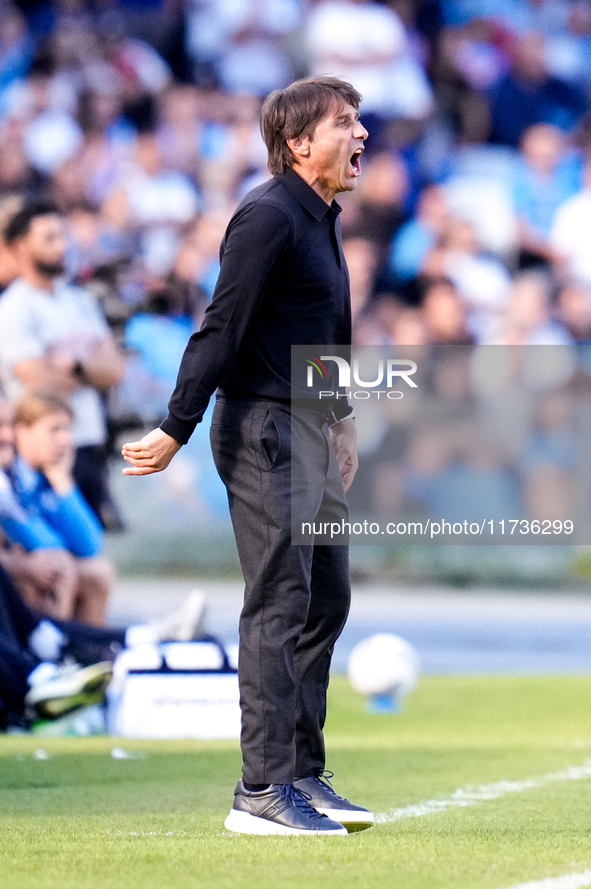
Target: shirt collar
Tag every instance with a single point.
(56, 286)
(27, 478)
(306, 195)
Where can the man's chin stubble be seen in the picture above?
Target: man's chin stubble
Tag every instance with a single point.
(50, 269)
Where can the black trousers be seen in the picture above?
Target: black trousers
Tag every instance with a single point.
(296, 597)
(91, 474)
(18, 622)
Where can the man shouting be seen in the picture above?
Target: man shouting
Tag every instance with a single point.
(283, 281)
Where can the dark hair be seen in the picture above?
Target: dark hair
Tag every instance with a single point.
(417, 288)
(296, 111)
(18, 226)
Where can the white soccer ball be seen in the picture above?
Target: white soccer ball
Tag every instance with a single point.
(384, 664)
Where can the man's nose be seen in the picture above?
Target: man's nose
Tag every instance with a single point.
(360, 131)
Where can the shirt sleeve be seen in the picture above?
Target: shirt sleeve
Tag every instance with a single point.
(561, 232)
(19, 341)
(251, 257)
(93, 314)
(30, 531)
(73, 522)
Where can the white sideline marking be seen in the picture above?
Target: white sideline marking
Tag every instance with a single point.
(568, 881)
(471, 796)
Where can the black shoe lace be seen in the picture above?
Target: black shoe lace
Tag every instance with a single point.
(298, 798)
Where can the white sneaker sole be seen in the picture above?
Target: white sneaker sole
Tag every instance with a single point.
(352, 820)
(243, 822)
(85, 681)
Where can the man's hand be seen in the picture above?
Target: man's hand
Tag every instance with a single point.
(343, 438)
(152, 453)
(105, 365)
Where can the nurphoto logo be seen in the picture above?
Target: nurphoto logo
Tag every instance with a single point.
(388, 371)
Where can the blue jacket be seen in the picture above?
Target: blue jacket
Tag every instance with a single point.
(33, 515)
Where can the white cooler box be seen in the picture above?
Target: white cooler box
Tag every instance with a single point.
(174, 690)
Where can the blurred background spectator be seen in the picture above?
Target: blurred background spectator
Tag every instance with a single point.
(43, 514)
(139, 123)
(53, 336)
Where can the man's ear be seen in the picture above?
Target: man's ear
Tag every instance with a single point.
(299, 147)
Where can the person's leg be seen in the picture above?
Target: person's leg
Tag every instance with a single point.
(329, 607)
(16, 664)
(94, 582)
(23, 628)
(251, 445)
(92, 477)
(17, 620)
(89, 475)
(330, 590)
(89, 645)
(330, 596)
(56, 597)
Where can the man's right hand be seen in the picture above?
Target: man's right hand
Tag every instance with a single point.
(151, 454)
(53, 373)
(343, 437)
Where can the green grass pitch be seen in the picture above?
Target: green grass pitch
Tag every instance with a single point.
(83, 820)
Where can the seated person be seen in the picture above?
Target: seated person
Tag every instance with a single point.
(43, 512)
(50, 667)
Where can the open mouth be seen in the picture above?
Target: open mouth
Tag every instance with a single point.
(355, 161)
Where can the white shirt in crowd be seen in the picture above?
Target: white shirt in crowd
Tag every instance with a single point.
(37, 324)
(569, 236)
(366, 44)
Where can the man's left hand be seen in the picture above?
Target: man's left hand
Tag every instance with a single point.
(343, 438)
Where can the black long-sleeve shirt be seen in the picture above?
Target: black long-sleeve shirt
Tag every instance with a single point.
(283, 281)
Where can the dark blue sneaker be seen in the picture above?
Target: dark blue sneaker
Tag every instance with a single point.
(324, 799)
(280, 810)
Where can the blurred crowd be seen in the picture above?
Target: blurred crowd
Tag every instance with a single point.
(492, 435)
(138, 121)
